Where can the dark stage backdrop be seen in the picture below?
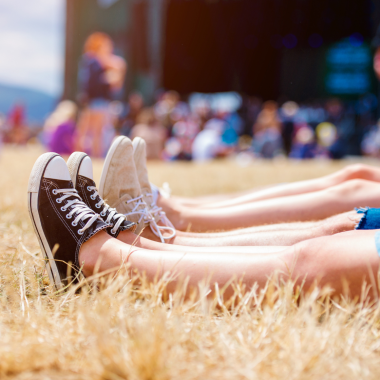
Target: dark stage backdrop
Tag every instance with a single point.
(225, 45)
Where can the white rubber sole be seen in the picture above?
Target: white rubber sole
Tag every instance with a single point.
(73, 163)
(33, 189)
(107, 162)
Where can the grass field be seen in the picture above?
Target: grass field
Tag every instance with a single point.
(118, 331)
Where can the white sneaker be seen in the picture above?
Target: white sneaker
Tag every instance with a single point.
(163, 224)
(119, 185)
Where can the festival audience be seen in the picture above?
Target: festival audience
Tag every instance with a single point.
(203, 129)
(59, 128)
(16, 131)
(152, 131)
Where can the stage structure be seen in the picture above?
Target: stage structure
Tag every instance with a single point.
(273, 49)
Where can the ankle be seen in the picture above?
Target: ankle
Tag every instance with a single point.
(175, 212)
(129, 237)
(148, 234)
(91, 252)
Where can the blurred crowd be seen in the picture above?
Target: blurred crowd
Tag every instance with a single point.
(14, 127)
(200, 130)
(200, 127)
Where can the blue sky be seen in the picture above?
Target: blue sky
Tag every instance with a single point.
(32, 44)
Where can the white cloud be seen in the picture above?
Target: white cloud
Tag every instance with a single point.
(32, 43)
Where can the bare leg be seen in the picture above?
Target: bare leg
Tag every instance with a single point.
(251, 230)
(98, 119)
(305, 207)
(357, 171)
(349, 256)
(277, 237)
(141, 242)
(210, 199)
(83, 129)
(285, 234)
(332, 225)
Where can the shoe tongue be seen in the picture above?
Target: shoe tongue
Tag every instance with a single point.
(155, 192)
(89, 181)
(139, 155)
(63, 183)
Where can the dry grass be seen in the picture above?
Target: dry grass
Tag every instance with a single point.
(124, 332)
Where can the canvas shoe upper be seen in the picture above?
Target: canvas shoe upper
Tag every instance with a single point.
(119, 184)
(61, 220)
(81, 172)
(164, 228)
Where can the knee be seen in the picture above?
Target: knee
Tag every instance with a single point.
(357, 171)
(298, 257)
(348, 187)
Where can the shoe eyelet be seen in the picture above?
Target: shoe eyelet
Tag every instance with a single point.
(74, 224)
(80, 232)
(68, 216)
(92, 197)
(54, 192)
(88, 188)
(97, 206)
(102, 214)
(113, 232)
(58, 200)
(63, 208)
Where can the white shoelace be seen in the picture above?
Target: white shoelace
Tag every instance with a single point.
(113, 214)
(78, 208)
(148, 218)
(160, 216)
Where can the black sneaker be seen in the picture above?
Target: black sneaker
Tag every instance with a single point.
(60, 219)
(80, 169)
